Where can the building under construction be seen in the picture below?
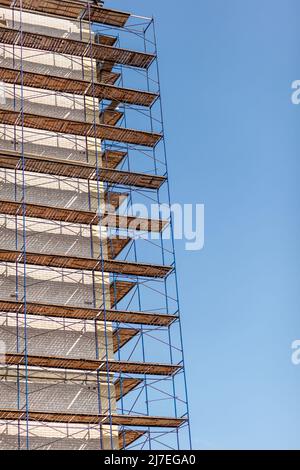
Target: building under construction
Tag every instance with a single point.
(90, 328)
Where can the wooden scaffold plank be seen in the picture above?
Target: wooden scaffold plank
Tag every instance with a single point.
(74, 47)
(80, 313)
(81, 128)
(77, 87)
(121, 367)
(86, 264)
(115, 420)
(82, 217)
(73, 9)
(72, 169)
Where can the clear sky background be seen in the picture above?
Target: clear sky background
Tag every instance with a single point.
(234, 144)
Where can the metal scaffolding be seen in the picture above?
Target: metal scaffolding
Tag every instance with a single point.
(88, 291)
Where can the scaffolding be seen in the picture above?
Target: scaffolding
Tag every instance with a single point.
(89, 305)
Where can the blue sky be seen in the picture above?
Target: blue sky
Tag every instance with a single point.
(233, 144)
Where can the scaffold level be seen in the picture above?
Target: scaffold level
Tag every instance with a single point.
(52, 166)
(81, 217)
(74, 9)
(89, 365)
(90, 325)
(68, 262)
(58, 45)
(80, 128)
(75, 313)
(78, 87)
